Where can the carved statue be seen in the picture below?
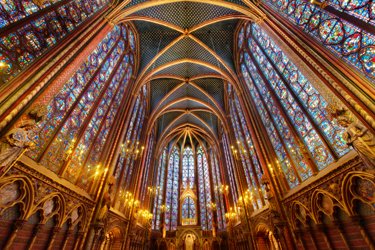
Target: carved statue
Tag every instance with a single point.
(357, 136)
(17, 140)
(107, 200)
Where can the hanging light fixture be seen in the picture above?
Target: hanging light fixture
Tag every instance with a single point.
(131, 149)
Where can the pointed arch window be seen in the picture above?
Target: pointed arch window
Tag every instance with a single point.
(219, 199)
(292, 110)
(232, 178)
(245, 149)
(204, 186)
(188, 211)
(348, 38)
(160, 184)
(188, 170)
(80, 116)
(128, 155)
(46, 25)
(172, 192)
(131, 141)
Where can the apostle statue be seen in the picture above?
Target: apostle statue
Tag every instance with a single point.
(107, 200)
(18, 139)
(357, 136)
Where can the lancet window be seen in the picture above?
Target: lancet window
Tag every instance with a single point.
(244, 149)
(204, 187)
(172, 192)
(344, 27)
(71, 139)
(292, 110)
(192, 198)
(160, 181)
(131, 148)
(219, 199)
(46, 25)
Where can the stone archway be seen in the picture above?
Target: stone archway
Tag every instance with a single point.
(113, 239)
(264, 238)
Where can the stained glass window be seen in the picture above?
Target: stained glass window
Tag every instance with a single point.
(219, 200)
(120, 169)
(160, 184)
(187, 168)
(232, 180)
(130, 144)
(134, 136)
(204, 190)
(172, 192)
(81, 115)
(45, 27)
(347, 38)
(245, 148)
(150, 151)
(293, 111)
(188, 211)
(189, 200)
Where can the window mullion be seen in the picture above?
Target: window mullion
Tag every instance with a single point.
(296, 99)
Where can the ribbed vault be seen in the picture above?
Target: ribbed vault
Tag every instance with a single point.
(186, 59)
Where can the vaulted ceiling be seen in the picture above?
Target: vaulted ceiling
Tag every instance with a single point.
(186, 56)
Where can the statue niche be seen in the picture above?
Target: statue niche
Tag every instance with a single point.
(356, 135)
(19, 139)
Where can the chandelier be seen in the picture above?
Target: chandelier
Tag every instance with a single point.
(153, 191)
(239, 149)
(143, 217)
(222, 189)
(232, 216)
(131, 149)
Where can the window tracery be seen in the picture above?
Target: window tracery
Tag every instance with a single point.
(80, 116)
(172, 191)
(204, 187)
(49, 24)
(345, 39)
(291, 108)
(159, 196)
(245, 149)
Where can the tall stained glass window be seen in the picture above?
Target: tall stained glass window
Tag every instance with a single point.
(204, 187)
(45, 26)
(130, 144)
(188, 211)
(193, 203)
(188, 174)
(232, 180)
(172, 192)
(347, 36)
(160, 180)
(219, 199)
(292, 110)
(244, 148)
(71, 139)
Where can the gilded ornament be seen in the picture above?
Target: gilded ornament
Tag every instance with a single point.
(356, 135)
(19, 139)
